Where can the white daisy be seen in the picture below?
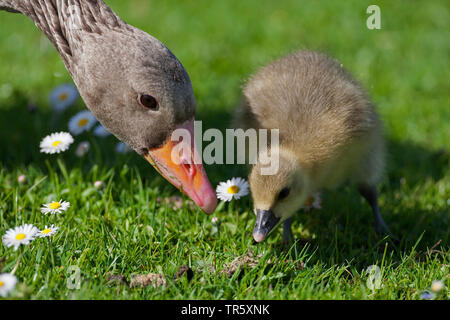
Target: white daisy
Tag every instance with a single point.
(123, 148)
(7, 284)
(47, 231)
(56, 142)
(82, 121)
(314, 201)
(63, 97)
(55, 207)
(20, 235)
(234, 188)
(82, 148)
(100, 131)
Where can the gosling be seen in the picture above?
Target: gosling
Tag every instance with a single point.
(329, 133)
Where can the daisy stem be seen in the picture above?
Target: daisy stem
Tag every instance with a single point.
(18, 261)
(51, 251)
(232, 205)
(220, 206)
(54, 120)
(63, 169)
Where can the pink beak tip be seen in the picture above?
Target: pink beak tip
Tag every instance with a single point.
(208, 199)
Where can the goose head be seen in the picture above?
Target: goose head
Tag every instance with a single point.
(131, 83)
(141, 93)
(276, 197)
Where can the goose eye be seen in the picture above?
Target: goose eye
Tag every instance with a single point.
(148, 102)
(283, 193)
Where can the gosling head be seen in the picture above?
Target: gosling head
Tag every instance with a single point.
(276, 197)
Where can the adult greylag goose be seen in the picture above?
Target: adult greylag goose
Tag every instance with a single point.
(130, 81)
(329, 132)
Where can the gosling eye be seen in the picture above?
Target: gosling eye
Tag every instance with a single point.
(283, 193)
(148, 101)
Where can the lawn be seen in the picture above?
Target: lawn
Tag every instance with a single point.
(124, 229)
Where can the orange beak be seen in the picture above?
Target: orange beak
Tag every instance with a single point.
(179, 163)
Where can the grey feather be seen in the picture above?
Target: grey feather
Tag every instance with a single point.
(111, 63)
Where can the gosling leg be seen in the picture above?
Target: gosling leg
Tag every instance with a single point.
(370, 193)
(287, 231)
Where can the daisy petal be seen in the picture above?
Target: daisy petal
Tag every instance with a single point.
(82, 149)
(82, 121)
(63, 97)
(123, 148)
(7, 284)
(56, 143)
(55, 207)
(21, 235)
(100, 131)
(47, 231)
(232, 189)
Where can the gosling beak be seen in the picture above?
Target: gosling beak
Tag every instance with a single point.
(179, 163)
(265, 223)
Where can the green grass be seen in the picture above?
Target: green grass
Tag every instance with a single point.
(121, 229)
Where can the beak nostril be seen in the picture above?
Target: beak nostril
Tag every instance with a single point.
(189, 168)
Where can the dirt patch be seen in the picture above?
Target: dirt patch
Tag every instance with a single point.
(155, 279)
(246, 261)
(116, 280)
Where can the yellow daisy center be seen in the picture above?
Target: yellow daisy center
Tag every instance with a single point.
(54, 205)
(56, 143)
(20, 236)
(63, 96)
(233, 189)
(46, 231)
(309, 201)
(2, 283)
(82, 122)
